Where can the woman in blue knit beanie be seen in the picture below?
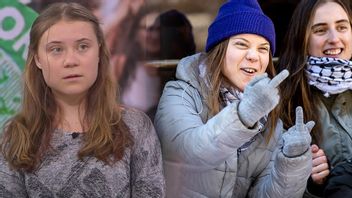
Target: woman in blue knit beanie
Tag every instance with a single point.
(219, 129)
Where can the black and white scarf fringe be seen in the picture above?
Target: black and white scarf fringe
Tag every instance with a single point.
(330, 75)
(230, 95)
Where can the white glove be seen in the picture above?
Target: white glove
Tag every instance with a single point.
(260, 97)
(297, 139)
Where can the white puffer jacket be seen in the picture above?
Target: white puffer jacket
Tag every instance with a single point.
(202, 155)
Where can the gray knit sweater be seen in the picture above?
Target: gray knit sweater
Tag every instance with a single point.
(62, 174)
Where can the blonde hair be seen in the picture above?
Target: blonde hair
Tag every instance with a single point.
(27, 135)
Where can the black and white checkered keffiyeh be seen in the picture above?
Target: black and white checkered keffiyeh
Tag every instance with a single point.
(229, 95)
(330, 75)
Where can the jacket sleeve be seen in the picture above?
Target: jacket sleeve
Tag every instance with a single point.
(283, 176)
(146, 161)
(186, 138)
(11, 182)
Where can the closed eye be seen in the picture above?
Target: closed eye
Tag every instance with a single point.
(241, 45)
(263, 49)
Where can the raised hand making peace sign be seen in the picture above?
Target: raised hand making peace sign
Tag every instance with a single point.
(297, 139)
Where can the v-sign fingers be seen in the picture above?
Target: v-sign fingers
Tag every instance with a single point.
(310, 125)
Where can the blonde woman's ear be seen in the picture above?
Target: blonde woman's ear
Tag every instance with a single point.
(37, 63)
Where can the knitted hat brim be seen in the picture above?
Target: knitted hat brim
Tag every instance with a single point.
(241, 23)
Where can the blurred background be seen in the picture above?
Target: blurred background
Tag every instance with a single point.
(199, 12)
(146, 39)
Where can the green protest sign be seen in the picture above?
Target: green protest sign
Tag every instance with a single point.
(15, 22)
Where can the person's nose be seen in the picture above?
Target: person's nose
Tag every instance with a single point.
(252, 55)
(71, 59)
(333, 36)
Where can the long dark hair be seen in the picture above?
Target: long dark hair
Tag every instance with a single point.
(295, 89)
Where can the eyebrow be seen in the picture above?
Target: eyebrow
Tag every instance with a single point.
(83, 39)
(323, 24)
(77, 41)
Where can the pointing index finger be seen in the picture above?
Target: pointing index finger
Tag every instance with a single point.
(279, 78)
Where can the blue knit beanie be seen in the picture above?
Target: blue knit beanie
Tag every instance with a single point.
(240, 17)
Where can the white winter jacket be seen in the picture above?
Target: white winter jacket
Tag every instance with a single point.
(202, 155)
